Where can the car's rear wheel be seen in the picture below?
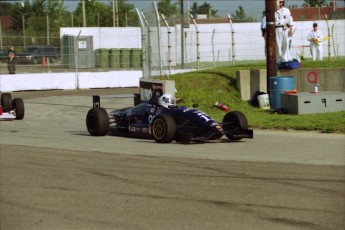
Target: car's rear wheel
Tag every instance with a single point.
(234, 122)
(18, 105)
(97, 122)
(163, 128)
(6, 102)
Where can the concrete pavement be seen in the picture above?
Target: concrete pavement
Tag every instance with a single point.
(54, 175)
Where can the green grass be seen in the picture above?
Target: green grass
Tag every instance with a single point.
(219, 84)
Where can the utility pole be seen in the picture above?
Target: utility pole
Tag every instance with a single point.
(114, 20)
(24, 35)
(48, 30)
(84, 14)
(1, 46)
(117, 14)
(271, 61)
(182, 35)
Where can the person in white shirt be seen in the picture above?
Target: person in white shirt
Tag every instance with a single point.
(264, 30)
(315, 37)
(283, 24)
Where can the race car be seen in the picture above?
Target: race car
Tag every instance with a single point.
(11, 109)
(161, 119)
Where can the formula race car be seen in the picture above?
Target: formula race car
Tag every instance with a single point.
(162, 120)
(11, 109)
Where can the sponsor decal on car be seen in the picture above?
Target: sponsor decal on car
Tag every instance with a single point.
(145, 130)
(151, 117)
(188, 109)
(203, 115)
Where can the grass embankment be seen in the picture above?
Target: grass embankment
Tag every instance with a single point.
(219, 84)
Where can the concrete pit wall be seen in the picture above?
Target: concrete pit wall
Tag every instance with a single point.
(251, 81)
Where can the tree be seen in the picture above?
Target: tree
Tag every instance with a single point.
(5, 7)
(194, 10)
(167, 8)
(100, 14)
(240, 16)
(96, 14)
(315, 3)
(127, 15)
(205, 8)
(35, 14)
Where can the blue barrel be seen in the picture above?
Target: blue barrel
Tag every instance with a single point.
(278, 85)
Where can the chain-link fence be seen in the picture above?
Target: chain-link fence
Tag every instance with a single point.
(157, 46)
(199, 44)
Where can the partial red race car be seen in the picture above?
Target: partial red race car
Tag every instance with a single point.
(11, 109)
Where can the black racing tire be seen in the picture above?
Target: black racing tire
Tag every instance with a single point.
(234, 121)
(6, 102)
(163, 128)
(19, 108)
(97, 122)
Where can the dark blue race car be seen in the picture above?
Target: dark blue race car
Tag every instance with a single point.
(162, 120)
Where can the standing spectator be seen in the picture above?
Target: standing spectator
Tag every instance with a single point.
(264, 30)
(283, 24)
(315, 37)
(11, 60)
(290, 36)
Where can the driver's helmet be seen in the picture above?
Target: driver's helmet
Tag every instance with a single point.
(167, 100)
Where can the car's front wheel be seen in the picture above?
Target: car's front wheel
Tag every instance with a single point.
(97, 122)
(163, 128)
(234, 122)
(18, 105)
(6, 102)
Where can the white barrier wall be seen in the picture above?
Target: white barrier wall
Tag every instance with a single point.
(69, 81)
(215, 40)
(87, 80)
(72, 80)
(37, 81)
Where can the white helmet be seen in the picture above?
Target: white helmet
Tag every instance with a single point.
(167, 100)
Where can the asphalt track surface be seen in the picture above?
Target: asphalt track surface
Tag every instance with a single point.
(53, 175)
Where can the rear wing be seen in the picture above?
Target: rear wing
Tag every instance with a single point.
(96, 99)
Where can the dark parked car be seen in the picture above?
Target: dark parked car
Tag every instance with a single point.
(36, 54)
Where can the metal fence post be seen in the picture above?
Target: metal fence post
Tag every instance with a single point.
(149, 45)
(213, 32)
(143, 42)
(159, 40)
(232, 39)
(197, 43)
(169, 43)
